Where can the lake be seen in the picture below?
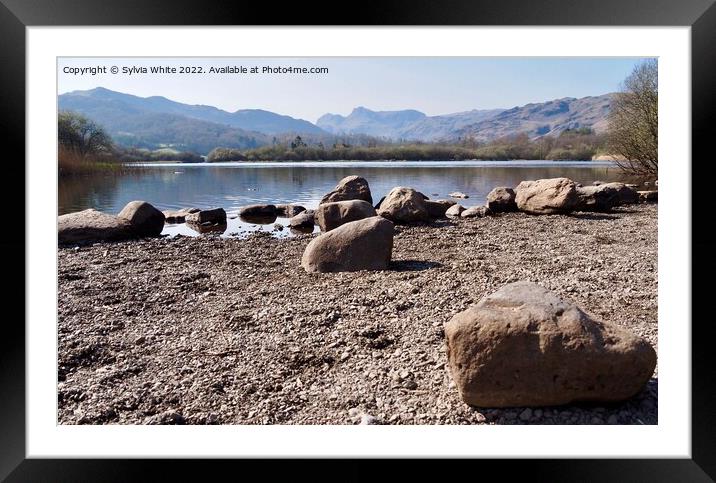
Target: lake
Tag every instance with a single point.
(232, 185)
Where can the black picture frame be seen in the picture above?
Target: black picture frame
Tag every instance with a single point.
(700, 15)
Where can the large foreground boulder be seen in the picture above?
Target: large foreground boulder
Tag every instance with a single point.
(349, 188)
(358, 245)
(403, 205)
(524, 346)
(501, 200)
(437, 208)
(146, 220)
(546, 196)
(332, 215)
(91, 226)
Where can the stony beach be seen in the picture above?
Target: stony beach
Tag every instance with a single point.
(211, 330)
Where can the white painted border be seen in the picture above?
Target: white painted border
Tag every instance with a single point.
(670, 438)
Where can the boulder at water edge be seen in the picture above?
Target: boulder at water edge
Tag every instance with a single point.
(349, 188)
(215, 216)
(332, 215)
(365, 244)
(91, 226)
(145, 219)
(289, 211)
(524, 346)
(546, 196)
(258, 210)
(178, 216)
(403, 205)
(303, 221)
(501, 200)
(437, 208)
(454, 211)
(596, 198)
(627, 193)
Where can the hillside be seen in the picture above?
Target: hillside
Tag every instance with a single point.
(536, 119)
(545, 118)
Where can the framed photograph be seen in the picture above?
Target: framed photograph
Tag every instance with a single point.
(434, 232)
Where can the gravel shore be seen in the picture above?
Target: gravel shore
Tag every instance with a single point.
(227, 331)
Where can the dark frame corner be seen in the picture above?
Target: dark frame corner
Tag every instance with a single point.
(700, 15)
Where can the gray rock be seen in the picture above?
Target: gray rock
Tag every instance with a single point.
(626, 192)
(524, 346)
(178, 216)
(597, 198)
(458, 194)
(349, 188)
(289, 211)
(145, 219)
(437, 208)
(546, 196)
(91, 226)
(215, 216)
(258, 210)
(304, 220)
(526, 415)
(501, 200)
(358, 245)
(476, 212)
(332, 215)
(404, 205)
(648, 196)
(454, 211)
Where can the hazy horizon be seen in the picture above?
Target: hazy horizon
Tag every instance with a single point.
(434, 86)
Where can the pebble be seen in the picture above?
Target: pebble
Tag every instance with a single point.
(410, 385)
(526, 415)
(369, 419)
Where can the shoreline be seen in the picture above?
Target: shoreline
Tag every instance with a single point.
(211, 330)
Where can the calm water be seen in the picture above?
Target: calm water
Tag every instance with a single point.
(232, 185)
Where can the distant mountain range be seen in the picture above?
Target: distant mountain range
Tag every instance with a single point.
(536, 119)
(154, 122)
(544, 118)
(407, 124)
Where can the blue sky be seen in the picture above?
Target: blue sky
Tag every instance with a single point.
(432, 85)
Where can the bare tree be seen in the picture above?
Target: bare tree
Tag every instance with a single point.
(634, 122)
(82, 135)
